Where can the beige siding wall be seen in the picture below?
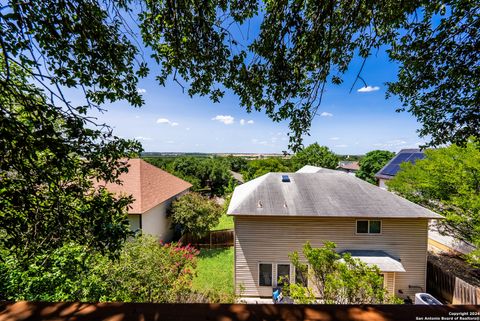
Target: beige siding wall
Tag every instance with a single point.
(271, 239)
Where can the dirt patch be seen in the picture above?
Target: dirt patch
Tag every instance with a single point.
(456, 266)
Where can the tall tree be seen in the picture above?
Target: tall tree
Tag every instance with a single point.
(448, 182)
(372, 163)
(315, 155)
(49, 162)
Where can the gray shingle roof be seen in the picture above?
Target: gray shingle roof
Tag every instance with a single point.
(327, 193)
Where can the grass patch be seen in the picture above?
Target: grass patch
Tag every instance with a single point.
(225, 223)
(215, 273)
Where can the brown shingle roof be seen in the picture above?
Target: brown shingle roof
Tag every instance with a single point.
(148, 184)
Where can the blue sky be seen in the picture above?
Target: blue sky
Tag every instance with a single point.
(348, 123)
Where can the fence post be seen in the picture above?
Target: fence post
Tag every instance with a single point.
(210, 233)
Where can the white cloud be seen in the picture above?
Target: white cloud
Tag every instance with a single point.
(167, 121)
(334, 138)
(243, 122)
(259, 142)
(391, 143)
(341, 145)
(226, 119)
(137, 117)
(188, 128)
(368, 89)
(170, 142)
(326, 114)
(163, 121)
(143, 138)
(141, 90)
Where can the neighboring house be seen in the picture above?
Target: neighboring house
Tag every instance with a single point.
(393, 166)
(277, 213)
(153, 190)
(348, 167)
(309, 169)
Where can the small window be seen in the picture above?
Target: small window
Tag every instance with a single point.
(301, 277)
(283, 274)
(362, 226)
(265, 275)
(369, 227)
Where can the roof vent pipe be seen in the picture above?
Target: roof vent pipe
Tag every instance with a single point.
(259, 204)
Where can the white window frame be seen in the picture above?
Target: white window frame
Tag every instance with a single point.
(258, 274)
(295, 275)
(368, 233)
(289, 271)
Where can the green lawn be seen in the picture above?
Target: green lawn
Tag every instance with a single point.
(215, 273)
(226, 222)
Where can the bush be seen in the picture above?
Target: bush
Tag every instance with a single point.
(145, 271)
(195, 214)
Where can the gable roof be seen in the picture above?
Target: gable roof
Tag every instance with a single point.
(349, 165)
(393, 166)
(310, 169)
(148, 184)
(327, 193)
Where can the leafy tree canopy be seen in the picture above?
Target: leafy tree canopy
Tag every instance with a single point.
(195, 214)
(372, 163)
(212, 174)
(315, 155)
(49, 162)
(259, 167)
(448, 182)
(301, 46)
(276, 56)
(338, 279)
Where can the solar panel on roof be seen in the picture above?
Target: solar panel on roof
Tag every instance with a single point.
(391, 170)
(416, 156)
(400, 158)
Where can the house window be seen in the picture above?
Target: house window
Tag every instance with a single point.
(283, 274)
(369, 227)
(265, 274)
(301, 277)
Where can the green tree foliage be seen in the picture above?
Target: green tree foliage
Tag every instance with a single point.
(212, 174)
(259, 167)
(448, 182)
(194, 214)
(237, 163)
(302, 46)
(315, 155)
(282, 69)
(338, 279)
(145, 271)
(372, 163)
(50, 160)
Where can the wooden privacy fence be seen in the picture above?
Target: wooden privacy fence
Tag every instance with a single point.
(213, 240)
(449, 287)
